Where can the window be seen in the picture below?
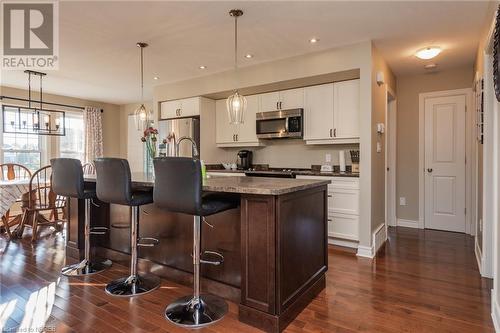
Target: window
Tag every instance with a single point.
(72, 144)
(20, 148)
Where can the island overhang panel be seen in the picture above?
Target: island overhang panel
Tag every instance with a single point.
(274, 245)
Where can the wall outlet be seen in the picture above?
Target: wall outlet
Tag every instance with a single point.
(402, 201)
(328, 158)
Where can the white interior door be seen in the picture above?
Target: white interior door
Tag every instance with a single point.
(445, 163)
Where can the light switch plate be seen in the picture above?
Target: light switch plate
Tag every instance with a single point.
(402, 201)
(379, 147)
(328, 158)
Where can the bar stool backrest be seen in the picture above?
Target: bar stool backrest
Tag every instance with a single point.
(114, 181)
(178, 184)
(67, 177)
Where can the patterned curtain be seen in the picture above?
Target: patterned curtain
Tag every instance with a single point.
(93, 133)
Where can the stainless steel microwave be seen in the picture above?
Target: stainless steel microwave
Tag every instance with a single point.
(280, 124)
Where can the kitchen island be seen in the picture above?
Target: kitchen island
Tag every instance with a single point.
(274, 244)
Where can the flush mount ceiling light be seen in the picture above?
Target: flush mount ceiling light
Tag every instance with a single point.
(236, 104)
(313, 40)
(142, 115)
(202, 67)
(156, 78)
(249, 56)
(428, 52)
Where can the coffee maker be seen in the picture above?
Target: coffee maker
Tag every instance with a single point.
(244, 159)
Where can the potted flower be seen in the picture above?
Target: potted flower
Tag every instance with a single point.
(150, 138)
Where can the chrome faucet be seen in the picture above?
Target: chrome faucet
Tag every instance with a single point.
(195, 147)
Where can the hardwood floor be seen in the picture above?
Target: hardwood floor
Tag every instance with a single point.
(422, 281)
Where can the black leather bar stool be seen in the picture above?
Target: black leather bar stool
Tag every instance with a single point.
(67, 180)
(114, 185)
(179, 188)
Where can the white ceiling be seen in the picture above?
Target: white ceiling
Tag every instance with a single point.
(99, 59)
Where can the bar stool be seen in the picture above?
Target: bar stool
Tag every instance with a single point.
(114, 185)
(67, 180)
(178, 188)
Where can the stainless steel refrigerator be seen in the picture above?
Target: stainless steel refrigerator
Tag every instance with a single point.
(176, 129)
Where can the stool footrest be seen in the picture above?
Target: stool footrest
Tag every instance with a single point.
(147, 241)
(121, 225)
(98, 230)
(211, 258)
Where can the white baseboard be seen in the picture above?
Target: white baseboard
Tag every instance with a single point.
(365, 251)
(343, 242)
(379, 237)
(410, 223)
(495, 311)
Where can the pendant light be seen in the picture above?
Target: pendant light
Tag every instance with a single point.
(236, 104)
(142, 115)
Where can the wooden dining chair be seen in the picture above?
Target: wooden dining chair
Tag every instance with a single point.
(12, 172)
(39, 199)
(88, 168)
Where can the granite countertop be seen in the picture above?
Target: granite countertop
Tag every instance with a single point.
(247, 185)
(298, 173)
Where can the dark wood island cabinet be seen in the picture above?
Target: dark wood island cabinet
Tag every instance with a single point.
(274, 245)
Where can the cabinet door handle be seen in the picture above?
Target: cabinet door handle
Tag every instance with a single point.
(233, 138)
(280, 105)
(236, 137)
(331, 133)
(335, 132)
(277, 105)
(180, 112)
(329, 220)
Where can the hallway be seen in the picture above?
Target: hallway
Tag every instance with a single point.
(423, 281)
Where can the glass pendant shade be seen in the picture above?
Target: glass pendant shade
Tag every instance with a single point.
(142, 117)
(236, 105)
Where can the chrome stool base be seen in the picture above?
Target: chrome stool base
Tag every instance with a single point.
(86, 267)
(133, 286)
(187, 312)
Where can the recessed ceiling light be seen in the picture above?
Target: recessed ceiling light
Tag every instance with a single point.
(249, 56)
(313, 40)
(428, 52)
(430, 66)
(202, 67)
(156, 78)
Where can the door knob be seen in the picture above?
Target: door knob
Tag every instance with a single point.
(429, 170)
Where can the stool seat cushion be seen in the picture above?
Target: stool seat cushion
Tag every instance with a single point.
(212, 203)
(141, 196)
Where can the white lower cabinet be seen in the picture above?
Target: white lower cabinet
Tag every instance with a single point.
(343, 209)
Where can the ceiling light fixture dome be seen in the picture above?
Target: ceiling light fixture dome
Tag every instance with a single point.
(142, 116)
(236, 103)
(428, 52)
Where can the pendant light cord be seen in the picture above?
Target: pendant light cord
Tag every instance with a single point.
(142, 76)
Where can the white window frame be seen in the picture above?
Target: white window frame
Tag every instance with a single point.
(42, 142)
(58, 140)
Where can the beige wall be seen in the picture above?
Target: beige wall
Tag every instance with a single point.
(112, 145)
(379, 105)
(408, 90)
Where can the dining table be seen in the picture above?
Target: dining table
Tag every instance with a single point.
(10, 192)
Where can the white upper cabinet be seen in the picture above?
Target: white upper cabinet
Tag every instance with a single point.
(282, 100)
(318, 112)
(247, 130)
(292, 99)
(269, 101)
(225, 132)
(243, 135)
(187, 107)
(346, 109)
(332, 113)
